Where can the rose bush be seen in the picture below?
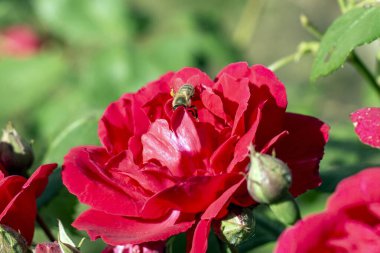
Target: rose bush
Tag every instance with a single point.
(18, 200)
(350, 224)
(160, 172)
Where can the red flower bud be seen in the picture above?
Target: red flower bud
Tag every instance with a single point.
(48, 247)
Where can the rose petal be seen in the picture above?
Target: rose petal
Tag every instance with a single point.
(200, 237)
(191, 76)
(20, 212)
(213, 103)
(83, 176)
(177, 149)
(122, 120)
(311, 234)
(367, 125)
(242, 146)
(237, 70)
(146, 180)
(359, 189)
(9, 187)
(302, 150)
(221, 203)
(116, 230)
(189, 196)
(359, 238)
(263, 77)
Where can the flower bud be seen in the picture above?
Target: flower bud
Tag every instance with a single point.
(268, 178)
(11, 241)
(150, 247)
(16, 154)
(48, 247)
(237, 227)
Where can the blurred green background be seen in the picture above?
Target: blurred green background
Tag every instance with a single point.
(93, 51)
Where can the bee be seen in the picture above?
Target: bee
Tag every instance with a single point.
(183, 98)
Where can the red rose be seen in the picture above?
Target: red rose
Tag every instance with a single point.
(18, 199)
(367, 125)
(152, 247)
(19, 41)
(351, 222)
(161, 171)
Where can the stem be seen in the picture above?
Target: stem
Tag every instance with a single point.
(273, 229)
(247, 23)
(342, 6)
(232, 249)
(310, 27)
(282, 62)
(45, 228)
(303, 49)
(363, 70)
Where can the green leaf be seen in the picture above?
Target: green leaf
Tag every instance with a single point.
(62, 207)
(64, 241)
(85, 21)
(24, 83)
(354, 28)
(81, 132)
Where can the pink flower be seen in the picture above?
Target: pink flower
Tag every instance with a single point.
(161, 171)
(18, 208)
(350, 224)
(48, 247)
(19, 41)
(367, 125)
(152, 247)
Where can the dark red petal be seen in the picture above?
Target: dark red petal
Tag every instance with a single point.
(213, 103)
(39, 179)
(191, 76)
(242, 146)
(367, 125)
(222, 156)
(84, 176)
(360, 189)
(302, 150)
(9, 187)
(154, 96)
(200, 237)
(222, 202)
(122, 120)
(116, 230)
(189, 196)
(135, 180)
(176, 149)
(237, 70)
(20, 212)
(238, 93)
(263, 77)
